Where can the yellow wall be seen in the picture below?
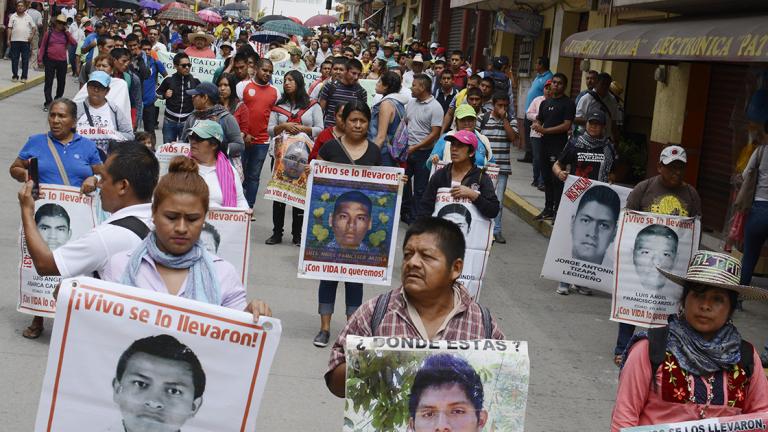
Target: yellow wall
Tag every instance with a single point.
(669, 110)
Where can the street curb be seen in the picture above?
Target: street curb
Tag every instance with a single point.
(526, 211)
(19, 87)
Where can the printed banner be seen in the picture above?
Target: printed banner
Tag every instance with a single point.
(61, 214)
(399, 385)
(478, 235)
(280, 69)
(641, 294)
(225, 234)
(288, 184)
(743, 423)
(491, 170)
(123, 358)
(202, 68)
(581, 247)
(350, 229)
(166, 152)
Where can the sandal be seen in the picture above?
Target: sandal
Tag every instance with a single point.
(33, 332)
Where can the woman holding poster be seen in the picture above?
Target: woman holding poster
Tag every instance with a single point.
(698, 366)
(353, 148)
(207, 149)
(63, 158)
(172, 259)
(293, 114)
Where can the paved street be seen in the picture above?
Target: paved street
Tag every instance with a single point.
(573, 378)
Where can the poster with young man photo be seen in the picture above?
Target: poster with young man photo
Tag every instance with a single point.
(123, 359)
(226, 234)
(581, 246)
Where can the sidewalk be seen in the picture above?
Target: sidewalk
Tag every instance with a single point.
(521, 198)
(8, 87)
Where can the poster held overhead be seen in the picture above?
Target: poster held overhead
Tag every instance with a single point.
(112, 346)
(350, 226)
(581, 248)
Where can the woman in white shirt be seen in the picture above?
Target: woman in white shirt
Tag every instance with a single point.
(100, 120)
(225, 189)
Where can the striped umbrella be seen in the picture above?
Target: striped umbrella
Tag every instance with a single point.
(320, 20)
(209, 16)
(288, 27)
(181, 15)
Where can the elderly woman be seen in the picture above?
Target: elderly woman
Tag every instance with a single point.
(698, 366)
(78, 155)
(172, 259)
(206, 148)
(99, 119)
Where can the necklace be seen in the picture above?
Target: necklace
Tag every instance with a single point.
(710, 393)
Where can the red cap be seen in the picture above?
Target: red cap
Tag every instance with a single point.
(440, 51)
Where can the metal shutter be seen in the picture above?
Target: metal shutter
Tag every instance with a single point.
(457, 26)
(720, 142)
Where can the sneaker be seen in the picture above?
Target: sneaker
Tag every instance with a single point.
(563, 290)
(14, 79)
(23, 80)
(583, 290)
(543, 215)
(45, 108)
(498, 238)
(321, 340)
(275, 239)
(541, 188)
(297, 240)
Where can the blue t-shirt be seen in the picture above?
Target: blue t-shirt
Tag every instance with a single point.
(150, 84)
(77, 158)
(88, 39)
(537, 87)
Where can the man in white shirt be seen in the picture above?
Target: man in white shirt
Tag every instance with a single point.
(35, 11)
(21, 32)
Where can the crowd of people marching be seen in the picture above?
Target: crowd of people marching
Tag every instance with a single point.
(430, 106)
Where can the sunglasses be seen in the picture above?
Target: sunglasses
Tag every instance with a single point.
(185, 65)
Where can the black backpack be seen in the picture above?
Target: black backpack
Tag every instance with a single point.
(382, 304)
(132, 224)
(500, 82)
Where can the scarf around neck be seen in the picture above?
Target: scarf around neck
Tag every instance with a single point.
(202, 284)
(226, 180)
(698, 355)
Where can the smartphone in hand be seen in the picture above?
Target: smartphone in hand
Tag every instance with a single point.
(34, 175)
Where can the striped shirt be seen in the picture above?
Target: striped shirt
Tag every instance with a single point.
(335, 93)
(466, 323)
(493, 129)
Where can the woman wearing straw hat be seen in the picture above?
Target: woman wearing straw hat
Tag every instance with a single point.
(698, 366)
(200, 45)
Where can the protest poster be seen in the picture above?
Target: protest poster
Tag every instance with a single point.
(166, 152)
(491, 170)
(478, 235)
(226, 234)
(280, 69)
(62, 214)
(288, 184)
(384, 375)
(350, 228)
(202, 68)
(581, 247)
(757, 422)
(116, 349)
(641, 294)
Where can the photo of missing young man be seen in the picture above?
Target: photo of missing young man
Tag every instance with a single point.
(593, 226)
(53, 223)
(655, 246)
(158, 385)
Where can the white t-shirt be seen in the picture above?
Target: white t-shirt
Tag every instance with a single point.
(159, 47)
(215, 197)
(587, 104)
(104, 128)
(21, 27)
(37, 17)
(118, 95)
(90, 252)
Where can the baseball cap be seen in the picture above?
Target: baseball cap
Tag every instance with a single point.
(89, 29)
(464, 137)
(673, 153)
(100, 77)
(433, 45)
(596, 116)
(207, 89)
(418, 59)
(440, 51)
(84, 20)
(207, 129)
(500, 61)
(465, 110)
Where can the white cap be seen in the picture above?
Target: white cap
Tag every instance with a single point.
(418, 59)
(673, 153)
(434, 45)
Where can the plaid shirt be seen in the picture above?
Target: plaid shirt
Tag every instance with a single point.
(467, 324)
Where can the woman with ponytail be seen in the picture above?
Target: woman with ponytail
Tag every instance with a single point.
(172, 259)
(205, 148)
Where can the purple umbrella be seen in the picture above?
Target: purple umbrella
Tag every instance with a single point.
(150, 4)
(320, 20)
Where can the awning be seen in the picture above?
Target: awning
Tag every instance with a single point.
(743, 39)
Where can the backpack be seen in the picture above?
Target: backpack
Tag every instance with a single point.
(398, 148)
(657, 350)
(500, 82)
(293, 118)
(132, 224)
(382, 304)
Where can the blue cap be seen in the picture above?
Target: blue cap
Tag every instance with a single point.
(208, 129)
(206, 88)
(100, 77)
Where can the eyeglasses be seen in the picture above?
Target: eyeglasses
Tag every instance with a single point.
(185, 65)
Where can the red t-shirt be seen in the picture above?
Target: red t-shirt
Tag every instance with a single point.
(323, 137)
(259, 99)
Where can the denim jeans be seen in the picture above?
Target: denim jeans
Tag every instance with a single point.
(538, 180)
(353, 296)
(23, 50)
(755, 234)
(625, 335)
(418, 177)
(553, 187)
(172, 130)
(501, 186)
(72, 58)
(253, 161)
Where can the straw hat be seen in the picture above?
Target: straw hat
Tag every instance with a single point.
(278, 55)
(197, 35)
(717, 270)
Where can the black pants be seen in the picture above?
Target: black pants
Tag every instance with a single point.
(527, 131)
(149, 116)
(278, 219)
(57, 68)
(553, 187)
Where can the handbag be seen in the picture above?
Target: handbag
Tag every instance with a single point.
(746, 194)
(59, 165)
